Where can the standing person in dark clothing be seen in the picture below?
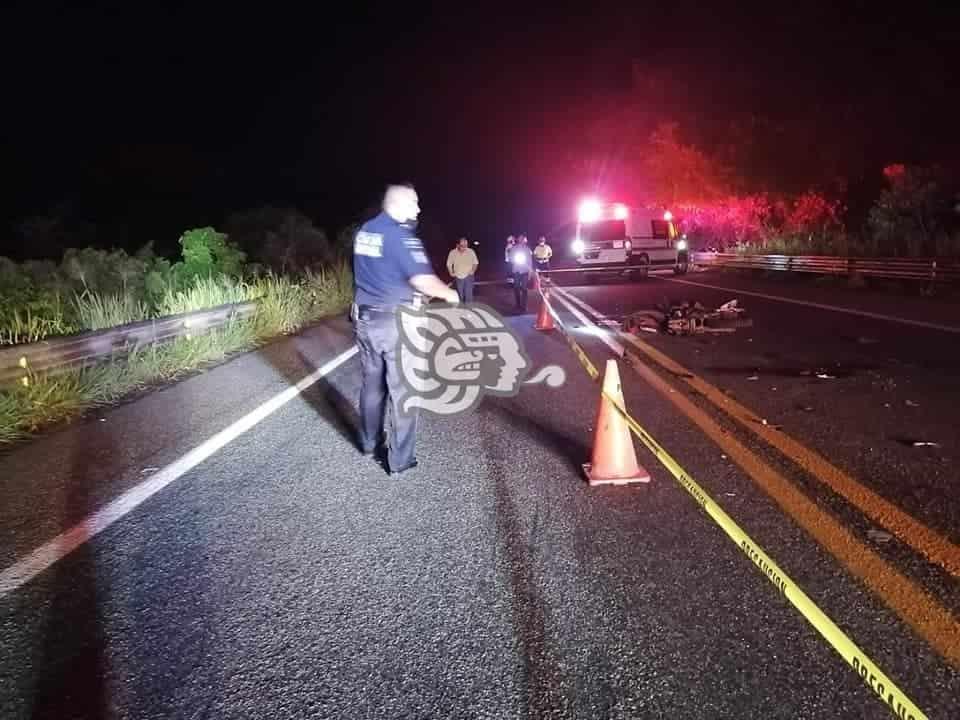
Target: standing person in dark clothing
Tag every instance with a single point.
(522, 260)
(389, 265)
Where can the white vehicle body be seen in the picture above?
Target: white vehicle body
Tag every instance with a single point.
(635, 239)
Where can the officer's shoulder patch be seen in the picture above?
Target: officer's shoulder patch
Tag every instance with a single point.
(368, 243)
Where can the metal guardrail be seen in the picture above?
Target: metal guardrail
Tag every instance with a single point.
(930, 269)
(59, 354)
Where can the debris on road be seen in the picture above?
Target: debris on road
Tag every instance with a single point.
(826, 376)
(753, 377)
(879, 536)
(687, 318)
(911, 403)
(915, 442)
(765, 423)
(645, 321)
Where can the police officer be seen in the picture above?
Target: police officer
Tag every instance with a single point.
(389, 265)
(522, 260)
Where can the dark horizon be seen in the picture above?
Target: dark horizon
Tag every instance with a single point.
(147, 122)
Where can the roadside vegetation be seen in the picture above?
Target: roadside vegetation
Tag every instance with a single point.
(914, 216)
(92, 289)
(729, 191)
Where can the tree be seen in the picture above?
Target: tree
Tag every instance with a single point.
(677, 173)
(909, 218)
(281, 238)
(207, 252)
(813, 220)
(344, 244)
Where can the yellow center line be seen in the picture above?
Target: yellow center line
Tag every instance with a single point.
(879, 683)
(928, 542)
(917, 608)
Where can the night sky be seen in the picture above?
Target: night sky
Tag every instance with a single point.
(146, 119)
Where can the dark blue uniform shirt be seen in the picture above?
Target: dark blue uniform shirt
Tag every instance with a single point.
(386, 254)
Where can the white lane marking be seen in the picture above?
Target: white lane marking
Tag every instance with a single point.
(582, 303)
(822, 306)
(50, 552)
(569, 301)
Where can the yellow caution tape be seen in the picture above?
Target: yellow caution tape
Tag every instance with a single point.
(874, 678)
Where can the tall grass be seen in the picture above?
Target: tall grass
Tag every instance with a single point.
(331, 288)
(105, 384)
(99, 312)
(39, 402)
(204, 293)
(284, 306)
(11, 416)
(45, 400)
(27, 326)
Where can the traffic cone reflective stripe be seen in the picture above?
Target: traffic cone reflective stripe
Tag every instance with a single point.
(614, 459)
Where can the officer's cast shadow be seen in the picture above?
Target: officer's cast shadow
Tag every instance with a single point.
(572, 450)
(325, 398)
(332, 405)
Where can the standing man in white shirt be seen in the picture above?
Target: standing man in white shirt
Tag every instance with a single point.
(462, 264)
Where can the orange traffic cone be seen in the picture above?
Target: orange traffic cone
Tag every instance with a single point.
(544, 318)
(614, 459)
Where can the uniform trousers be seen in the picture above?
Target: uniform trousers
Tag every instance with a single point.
(382, 388)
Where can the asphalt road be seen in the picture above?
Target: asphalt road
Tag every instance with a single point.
(287, 576)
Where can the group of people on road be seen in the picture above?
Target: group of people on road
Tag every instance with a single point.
(542, 252)
(462, 264)
(392, 271)
(522, 261)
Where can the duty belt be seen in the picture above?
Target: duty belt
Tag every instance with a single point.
(415, 304)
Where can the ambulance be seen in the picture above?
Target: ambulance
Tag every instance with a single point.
(632, 241)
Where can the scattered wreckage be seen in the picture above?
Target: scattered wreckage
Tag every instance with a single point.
(687, 318)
